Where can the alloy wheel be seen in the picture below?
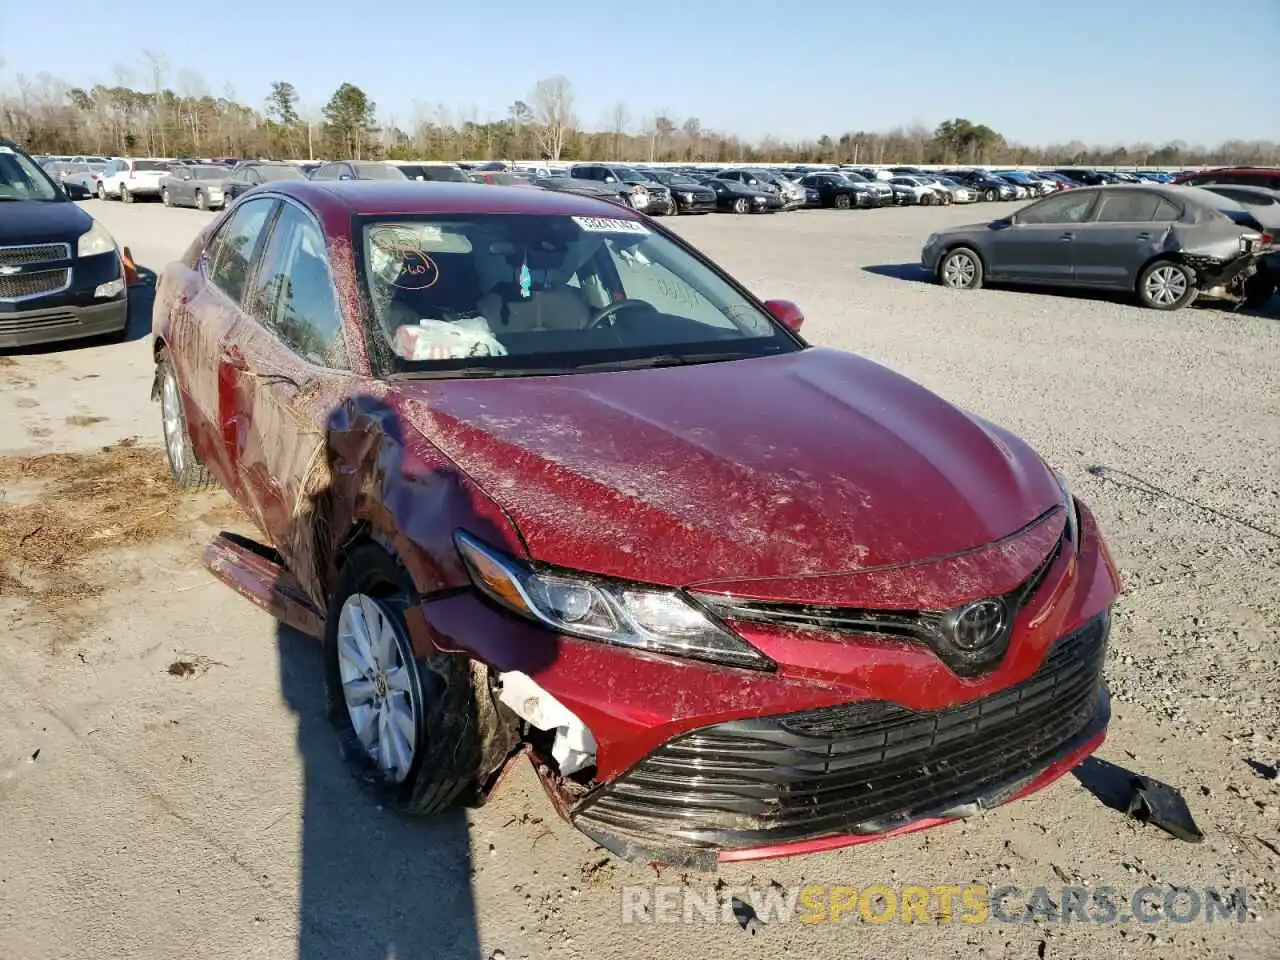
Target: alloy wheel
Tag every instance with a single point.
(377, 685)
(959, 271)
(1166, 285)
(171, 419)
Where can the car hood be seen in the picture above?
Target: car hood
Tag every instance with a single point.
(41, 221)
(813, 462)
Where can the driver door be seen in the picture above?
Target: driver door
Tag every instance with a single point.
(1037, 244)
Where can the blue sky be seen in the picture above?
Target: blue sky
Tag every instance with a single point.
(1103, 72)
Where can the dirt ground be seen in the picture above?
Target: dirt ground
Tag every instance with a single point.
(169, 787)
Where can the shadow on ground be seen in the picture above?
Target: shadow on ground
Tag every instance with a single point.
(374, 885)
(900, 271)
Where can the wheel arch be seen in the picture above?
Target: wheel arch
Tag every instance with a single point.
(1173, 256)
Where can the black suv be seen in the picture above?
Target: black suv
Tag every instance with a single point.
(61, 274)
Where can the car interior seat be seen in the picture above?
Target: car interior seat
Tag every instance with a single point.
(549, 308)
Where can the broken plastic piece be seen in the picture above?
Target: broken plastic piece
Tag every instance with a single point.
(1162, 805)
(574, 747)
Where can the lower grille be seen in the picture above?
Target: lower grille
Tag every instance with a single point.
(44, 321)
(37, 283)
(858, 768)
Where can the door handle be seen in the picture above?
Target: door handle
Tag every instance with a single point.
(1144, 236)
(1067, 236)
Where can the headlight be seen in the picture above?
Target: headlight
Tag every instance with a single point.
(1073, 513)
(687, 197)
(626, 614)
(95, 241)
(639, 194)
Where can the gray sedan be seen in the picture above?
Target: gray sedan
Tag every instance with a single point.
(194, 185)
(1166, 244)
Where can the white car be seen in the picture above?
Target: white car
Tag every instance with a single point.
(126, 178)
(921, 191)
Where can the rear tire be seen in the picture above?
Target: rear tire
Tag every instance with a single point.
(991, 196)
(926, 199)
(1166, 285)
(102, 192)
(443, 701)
(165, 198)
(184, 466)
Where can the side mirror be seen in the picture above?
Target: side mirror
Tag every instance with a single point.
(610, 179)
(786, 313)
(76, 191)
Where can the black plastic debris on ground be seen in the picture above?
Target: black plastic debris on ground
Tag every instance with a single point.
(1141, 797)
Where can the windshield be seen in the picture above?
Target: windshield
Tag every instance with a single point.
(627, 173)
(495, 294)
(211, 173)
(21, 179)
(280, 173)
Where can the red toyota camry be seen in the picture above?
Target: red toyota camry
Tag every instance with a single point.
(549, 483)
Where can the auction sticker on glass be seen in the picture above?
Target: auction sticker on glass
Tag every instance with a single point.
(610, 225)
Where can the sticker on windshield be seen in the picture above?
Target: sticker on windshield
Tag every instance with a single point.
(609, 225)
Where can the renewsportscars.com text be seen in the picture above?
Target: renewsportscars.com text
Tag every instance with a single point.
(937, 904)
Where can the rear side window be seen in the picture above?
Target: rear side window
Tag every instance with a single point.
(293, 294)
(1125, 206)
(236, 246)
(1066, 208)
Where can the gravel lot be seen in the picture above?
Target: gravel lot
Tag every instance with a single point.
(169, 787)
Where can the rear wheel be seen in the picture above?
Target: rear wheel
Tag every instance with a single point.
(184, 466)
(1166, 285)
(991, 196)
(414, 728)
(165, 198)
(960, 269)
(102, 192)
(926, 199)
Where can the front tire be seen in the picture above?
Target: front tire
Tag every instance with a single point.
(1166, 285)
(961, 269)
(165, 198)
(842, 201)
(202, 202)
(125, 195)
(414, 728)
(926, 199)
(184, 466)
(991, 196)
(742, 205)
(102, 192)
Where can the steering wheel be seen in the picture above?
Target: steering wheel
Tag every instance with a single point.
(606, 312)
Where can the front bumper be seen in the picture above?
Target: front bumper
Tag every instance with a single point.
(697, 205)
(69, 313)
(855, 770)
(698, 763)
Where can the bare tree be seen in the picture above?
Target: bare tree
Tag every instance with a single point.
(159, 67)
(618, 122)
(553, 110)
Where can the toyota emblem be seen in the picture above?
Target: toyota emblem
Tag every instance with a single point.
(978, 625)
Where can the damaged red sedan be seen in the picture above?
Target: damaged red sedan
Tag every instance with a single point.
(549, 483)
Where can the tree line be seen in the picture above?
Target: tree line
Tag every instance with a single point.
(148, 115)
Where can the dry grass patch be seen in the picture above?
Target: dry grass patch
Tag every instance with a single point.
(75, 506)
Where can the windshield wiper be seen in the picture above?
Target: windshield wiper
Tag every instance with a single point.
(461, 372)
(662, 360)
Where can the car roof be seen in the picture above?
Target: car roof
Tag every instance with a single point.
(393, 198)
